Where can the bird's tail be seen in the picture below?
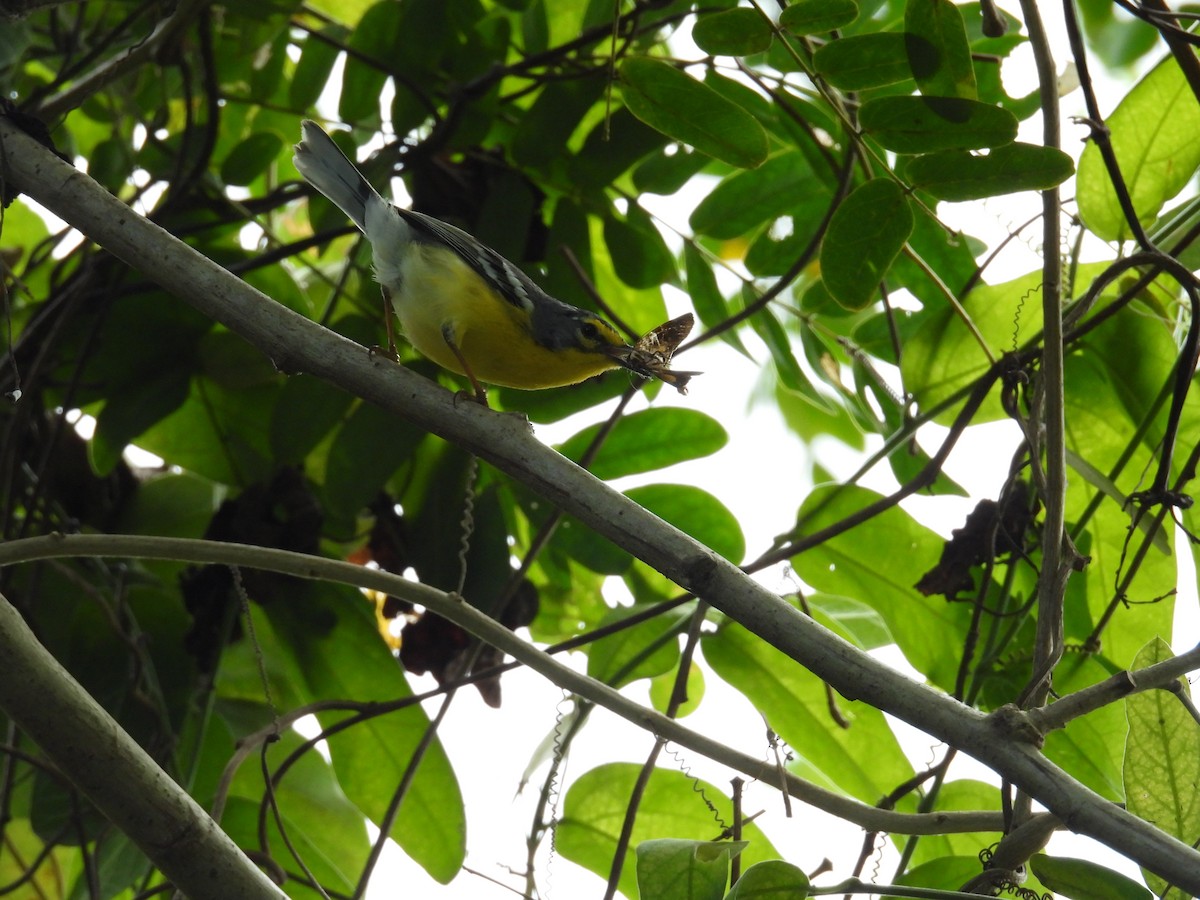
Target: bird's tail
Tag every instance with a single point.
(326, 168)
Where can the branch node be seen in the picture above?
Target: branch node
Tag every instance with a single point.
(1015, 724)
(699, 572)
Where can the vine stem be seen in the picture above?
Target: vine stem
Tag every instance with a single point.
(1055, 564)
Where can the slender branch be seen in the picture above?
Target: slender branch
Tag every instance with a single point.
(1177, 39)
(1116, 687)
(678, 696)
(952, 299)
(181, 16)
(1052, 583)
(1100, 135)
(59, 546)
(16, 9)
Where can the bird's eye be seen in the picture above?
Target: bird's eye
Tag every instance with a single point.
(589, 331)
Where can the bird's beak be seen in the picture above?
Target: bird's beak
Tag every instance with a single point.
(620, 353)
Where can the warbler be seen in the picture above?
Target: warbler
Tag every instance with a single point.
(459, 302)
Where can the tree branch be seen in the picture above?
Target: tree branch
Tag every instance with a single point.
(300, 345)
(1056, 555)
(93, 752)
(1117, 687)
(486, 629)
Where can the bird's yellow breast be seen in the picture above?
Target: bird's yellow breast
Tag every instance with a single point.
(438, 289)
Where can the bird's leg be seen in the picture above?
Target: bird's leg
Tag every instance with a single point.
(480, 391)
(390, 351)
(388, 314)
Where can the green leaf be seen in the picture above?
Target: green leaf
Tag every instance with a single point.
(1119, 40)
(647, 440)
(902, 550)
(741, 96)
(639, 253)
(171, 505)
(771, 880)
(63, 864)
(230, 361)
(307, 410)
(594, 810)
(1162, 762)
(109, 164)
(946, 873)
(342, 655)
(696, 512)
(938, 52)
(927, 124)
(673, 869)
(375, 38)
(556, 404)
(219, 433)
(959, 175)
(507, 213)
(426, 34)
(787, 367)
(535, 27)
(348, 11)
(682, 108)
(749, 198)
(642, 651)
(662, 691)
(706, 295)
(1152, 132)
(864, 61)
(14, 39)
(668, 170)
(619, 142)
(859, 761)
(943, 356)
(553, 118)
(120, 866)
(732, 32)
(864, 238)
(951, 255)
(1090, 747)
(958, 795)
(370, 446)
(1138, 378)
(576, 542)
(1082, 879)
(267, 73)
(854, 620)
(316, 62)
(777, 247)
(328, 831)
(817, 16)
(131, 412)
(1176, 225)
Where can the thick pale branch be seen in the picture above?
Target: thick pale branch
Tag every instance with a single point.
(93, 752)
(301, 345)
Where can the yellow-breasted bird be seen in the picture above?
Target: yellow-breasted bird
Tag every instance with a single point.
(460, 303)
